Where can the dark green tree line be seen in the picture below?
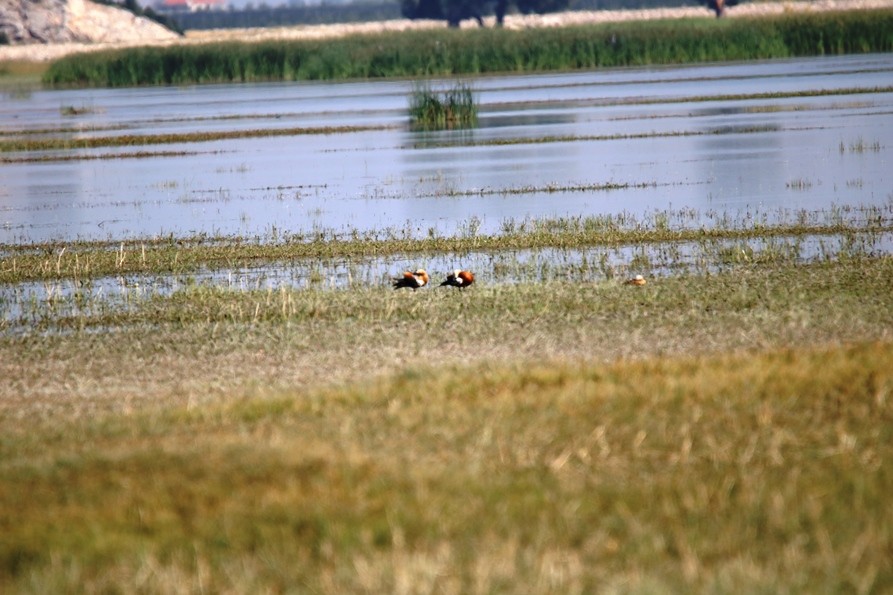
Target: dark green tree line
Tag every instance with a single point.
(455, 11)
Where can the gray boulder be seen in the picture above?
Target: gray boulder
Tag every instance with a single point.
(64, 21)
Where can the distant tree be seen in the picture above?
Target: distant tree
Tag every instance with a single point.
(719, 6)
(455, 11)
(422, 9)
(281, 16)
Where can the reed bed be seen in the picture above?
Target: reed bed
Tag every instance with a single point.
(469, 52)
(449, 109)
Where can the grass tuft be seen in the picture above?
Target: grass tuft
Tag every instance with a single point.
(443, 110)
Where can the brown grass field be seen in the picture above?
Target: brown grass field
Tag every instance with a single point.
(721, 433)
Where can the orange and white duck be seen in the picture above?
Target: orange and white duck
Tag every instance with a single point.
(459, 278)
(412, 280)
(637, 280)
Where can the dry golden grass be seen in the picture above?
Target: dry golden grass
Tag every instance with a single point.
(753, 472)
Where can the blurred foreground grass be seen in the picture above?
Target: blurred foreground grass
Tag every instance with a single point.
(719, 433)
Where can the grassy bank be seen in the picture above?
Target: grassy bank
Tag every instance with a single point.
(715, 433)
(467, 52)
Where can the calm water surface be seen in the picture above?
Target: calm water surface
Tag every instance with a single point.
(694, 137)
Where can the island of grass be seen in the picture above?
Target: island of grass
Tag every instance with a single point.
(699, 434)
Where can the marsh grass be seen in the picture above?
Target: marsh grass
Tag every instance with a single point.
(799, 184)
(712, 433)
(126, 140)
(82, 261)
(18, 78)
(771, 301)
(98, 156)
(468, 52)
(89, 303)
(860, 145)
(430, 109)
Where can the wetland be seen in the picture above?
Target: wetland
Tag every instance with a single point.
(209, 384)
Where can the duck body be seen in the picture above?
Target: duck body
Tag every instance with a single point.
(459, 278)
(637, 280)
(412, 279)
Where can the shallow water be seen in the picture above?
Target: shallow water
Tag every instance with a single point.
(676, 137)
(30, 305)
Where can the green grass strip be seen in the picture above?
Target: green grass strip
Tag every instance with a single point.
(129, 140)
(474, 51)
(86, 260)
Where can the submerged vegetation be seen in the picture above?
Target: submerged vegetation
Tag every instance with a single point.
(468, 52)
(860, 146)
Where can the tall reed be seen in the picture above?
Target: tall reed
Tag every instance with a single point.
(433, 110)
(474, 51)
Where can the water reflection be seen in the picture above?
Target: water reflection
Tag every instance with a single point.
(536, 118)
(742, 167)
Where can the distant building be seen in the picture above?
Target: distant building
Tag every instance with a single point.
(172, 6)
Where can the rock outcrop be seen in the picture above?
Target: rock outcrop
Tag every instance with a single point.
(81, 21)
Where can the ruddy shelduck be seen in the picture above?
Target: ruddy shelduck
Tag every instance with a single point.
(637, 280)
(459, 278)
(412, 280)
